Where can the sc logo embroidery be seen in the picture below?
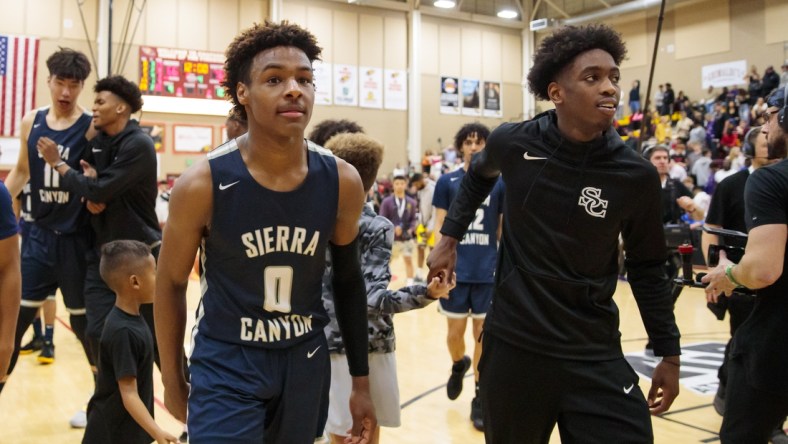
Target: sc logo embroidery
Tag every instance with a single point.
(590, 200)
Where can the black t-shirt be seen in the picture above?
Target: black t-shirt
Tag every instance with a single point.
(761, 339)
(727, 206)
(673, 189)
(126, 349)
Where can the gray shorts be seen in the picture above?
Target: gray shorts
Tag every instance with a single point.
(383, 388)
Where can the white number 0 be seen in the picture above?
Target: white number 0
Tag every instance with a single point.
(278, 288)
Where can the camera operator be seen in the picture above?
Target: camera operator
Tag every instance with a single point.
(756, 395)
(675, 196)
(676, 199)
(727, 211)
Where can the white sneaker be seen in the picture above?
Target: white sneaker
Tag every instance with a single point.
(80, 419)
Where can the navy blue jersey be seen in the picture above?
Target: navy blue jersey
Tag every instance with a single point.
(25, 210)
(265, 254)
(477, 251)
(53, 207)
(8, 226)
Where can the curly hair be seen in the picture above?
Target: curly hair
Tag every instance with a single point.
(67, 63)
(361, 151)
(123, 88)
(260, 37)
(327, 129)
(560, 49)
(481, 131)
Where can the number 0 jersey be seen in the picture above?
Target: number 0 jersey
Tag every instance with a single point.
(53, 207)
(264, 257)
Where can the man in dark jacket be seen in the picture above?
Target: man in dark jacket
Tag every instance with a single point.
(668, 100)
(552, 351)
(770, 81)
(119, 185)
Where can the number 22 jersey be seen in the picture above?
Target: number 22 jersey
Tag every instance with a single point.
(264, 257)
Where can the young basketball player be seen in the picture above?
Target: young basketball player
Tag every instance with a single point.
(121, 410)
(10, 278)
(60, 223)
(552, 351)
(476, 259)
(265, 207)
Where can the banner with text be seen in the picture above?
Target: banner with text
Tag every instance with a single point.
(450, 96)
(345, 85)
(395, 92)
(724, 74)
(492, 99)
(321, 72)
(371, 87)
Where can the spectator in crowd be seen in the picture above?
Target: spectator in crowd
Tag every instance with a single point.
(402, 211)
(771, 80)
(634, 97)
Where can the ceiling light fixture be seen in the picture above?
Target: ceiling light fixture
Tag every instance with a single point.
(507, 14)
(446, 4)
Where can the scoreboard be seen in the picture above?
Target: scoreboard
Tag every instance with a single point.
(181, 73)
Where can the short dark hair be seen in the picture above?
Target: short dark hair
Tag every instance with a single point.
(776, 98)
(66, 63)
(120, 259)
(260, 37)
(361, 151)
(123, 88)
(560, 49)
(649, 152)
(469, 128)
(327, 129)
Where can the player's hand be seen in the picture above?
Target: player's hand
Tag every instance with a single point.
(48, 150)
(438, 289)
(718, 281)
(442, 260)
(362, 411)
(88, 170)
(165, 438)
(175, 398)
(95, 207)
(397, 231)
(664, 385)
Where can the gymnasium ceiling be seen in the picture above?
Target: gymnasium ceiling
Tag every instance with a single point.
(558, 10)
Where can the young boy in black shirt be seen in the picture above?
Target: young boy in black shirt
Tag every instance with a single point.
(121, 410)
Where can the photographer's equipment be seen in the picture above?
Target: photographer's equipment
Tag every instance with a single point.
(677, 235)
(733, 253)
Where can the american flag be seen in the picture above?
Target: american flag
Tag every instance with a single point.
(18, 67)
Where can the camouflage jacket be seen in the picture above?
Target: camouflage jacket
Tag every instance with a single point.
(375, 237)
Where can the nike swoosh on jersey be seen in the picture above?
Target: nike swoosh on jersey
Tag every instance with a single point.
(454, 178)
(526, 156)
(36, 125)
(96, 150)
(312, 353)
(628, 389)
(223, 187)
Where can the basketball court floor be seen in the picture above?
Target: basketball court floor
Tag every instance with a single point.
(39, 400)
